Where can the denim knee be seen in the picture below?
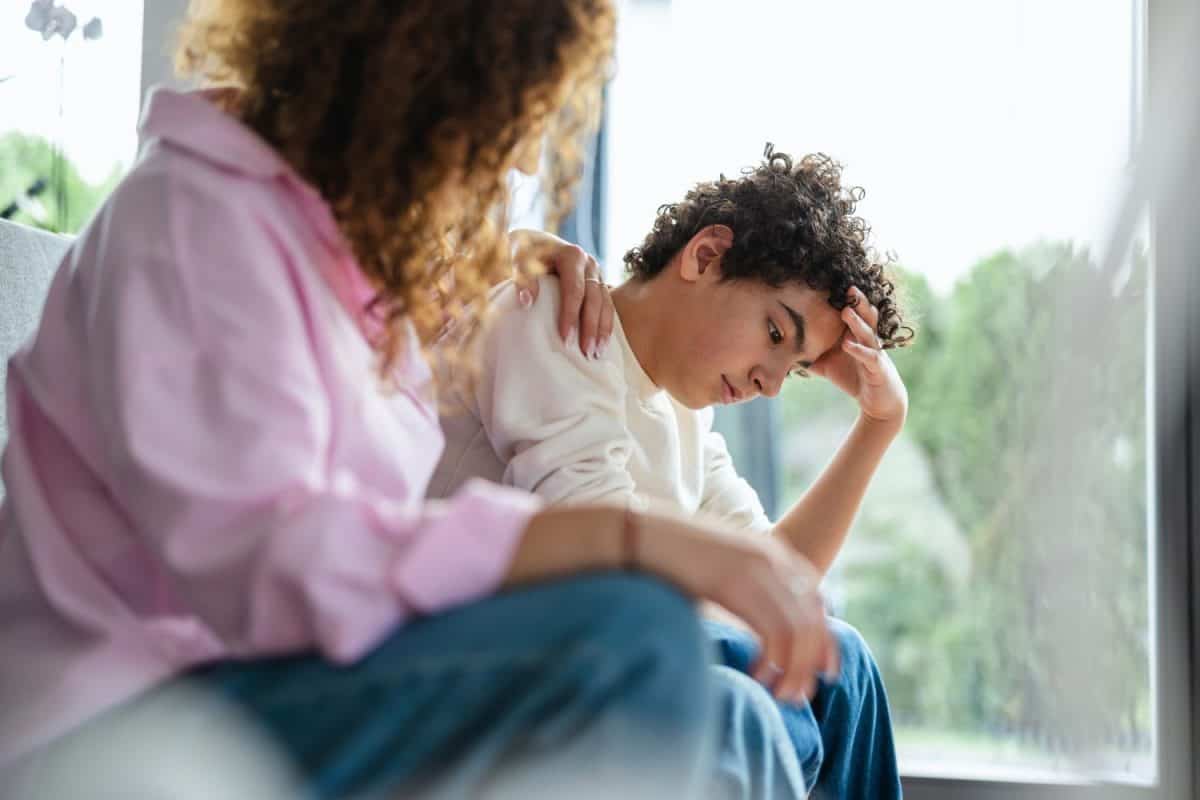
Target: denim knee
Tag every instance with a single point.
(857, 659)
(633, 607)
(647, 622)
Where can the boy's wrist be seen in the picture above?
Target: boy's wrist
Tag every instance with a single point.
(890, 427)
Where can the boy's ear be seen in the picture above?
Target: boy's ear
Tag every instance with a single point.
(702, 254)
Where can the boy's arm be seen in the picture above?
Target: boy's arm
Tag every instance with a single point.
(553, 416)
(816, 526)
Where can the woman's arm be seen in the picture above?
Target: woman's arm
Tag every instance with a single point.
(217, 420)
(756, 578)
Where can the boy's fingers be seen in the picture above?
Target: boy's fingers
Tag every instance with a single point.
(859, 328)
(867, 356)
(865, 308)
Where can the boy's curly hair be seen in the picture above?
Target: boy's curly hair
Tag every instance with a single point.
(407, 117)
(791, 222)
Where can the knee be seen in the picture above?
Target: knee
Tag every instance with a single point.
(750, 712)
(643, 616)
(634, 603)
(757, 755)
(857, 659)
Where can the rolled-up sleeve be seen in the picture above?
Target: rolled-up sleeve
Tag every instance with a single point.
(219, 423)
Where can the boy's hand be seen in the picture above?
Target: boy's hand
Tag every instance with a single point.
(860, 367)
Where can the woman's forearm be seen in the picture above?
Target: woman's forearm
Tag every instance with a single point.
(562, 541)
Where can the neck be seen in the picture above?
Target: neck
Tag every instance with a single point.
(635, 302)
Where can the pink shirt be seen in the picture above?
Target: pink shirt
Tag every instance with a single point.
(201, 463)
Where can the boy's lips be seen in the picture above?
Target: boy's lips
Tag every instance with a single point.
(728, 393)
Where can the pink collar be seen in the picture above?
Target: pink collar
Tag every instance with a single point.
(193, 121)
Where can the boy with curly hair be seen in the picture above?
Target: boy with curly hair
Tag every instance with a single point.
(744, 282)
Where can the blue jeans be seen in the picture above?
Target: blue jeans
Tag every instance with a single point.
(843, 739)
(597, 686)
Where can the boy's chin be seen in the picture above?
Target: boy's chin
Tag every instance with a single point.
(696, 403)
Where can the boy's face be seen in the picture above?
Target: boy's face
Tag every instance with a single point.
(734, 341)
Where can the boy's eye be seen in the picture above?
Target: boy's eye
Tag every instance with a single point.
(798, 372)
(774, 332)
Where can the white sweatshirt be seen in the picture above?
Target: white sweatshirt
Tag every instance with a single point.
(541, 417)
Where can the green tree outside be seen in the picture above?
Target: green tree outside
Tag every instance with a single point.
(25, 159)
(999, 565)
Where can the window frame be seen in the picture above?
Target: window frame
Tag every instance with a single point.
(1175, 558)
(1175, 562)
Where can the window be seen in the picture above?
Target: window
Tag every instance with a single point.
(68, 107)
(1002, 564)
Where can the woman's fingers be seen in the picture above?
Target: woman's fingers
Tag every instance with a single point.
(831, 667)
(808, 642)
(585, 302)
(571, 264)
(527, 290)
(794, 636)
(770, 621)
(593, 307)
(608, 314)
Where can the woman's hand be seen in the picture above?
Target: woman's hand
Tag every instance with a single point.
(860, 367)
(586, 302)
(764, 583)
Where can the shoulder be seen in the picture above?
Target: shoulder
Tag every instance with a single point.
(534, 329)
(205, 248)
(166, 179)
(539, 320)
(522, 353)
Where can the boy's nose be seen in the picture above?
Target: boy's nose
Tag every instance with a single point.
(767, 383)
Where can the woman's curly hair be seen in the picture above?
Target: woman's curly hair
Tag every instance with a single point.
(791, 222)
(407, 117)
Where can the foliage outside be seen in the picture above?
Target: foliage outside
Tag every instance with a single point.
(25, 159)
(999, 565)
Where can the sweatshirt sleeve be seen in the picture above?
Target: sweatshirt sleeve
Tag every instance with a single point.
(727, 496)
(555, 418)
(217, 418)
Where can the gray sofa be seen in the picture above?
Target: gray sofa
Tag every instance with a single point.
(28, 259)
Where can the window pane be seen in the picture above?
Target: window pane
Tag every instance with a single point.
(68, 109)
(999, 564)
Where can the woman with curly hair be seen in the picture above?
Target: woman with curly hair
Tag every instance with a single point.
(742, 283)
(222, 434)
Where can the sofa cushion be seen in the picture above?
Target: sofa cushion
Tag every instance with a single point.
(28, 259)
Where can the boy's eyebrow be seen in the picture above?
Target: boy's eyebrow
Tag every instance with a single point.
(798, 321)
